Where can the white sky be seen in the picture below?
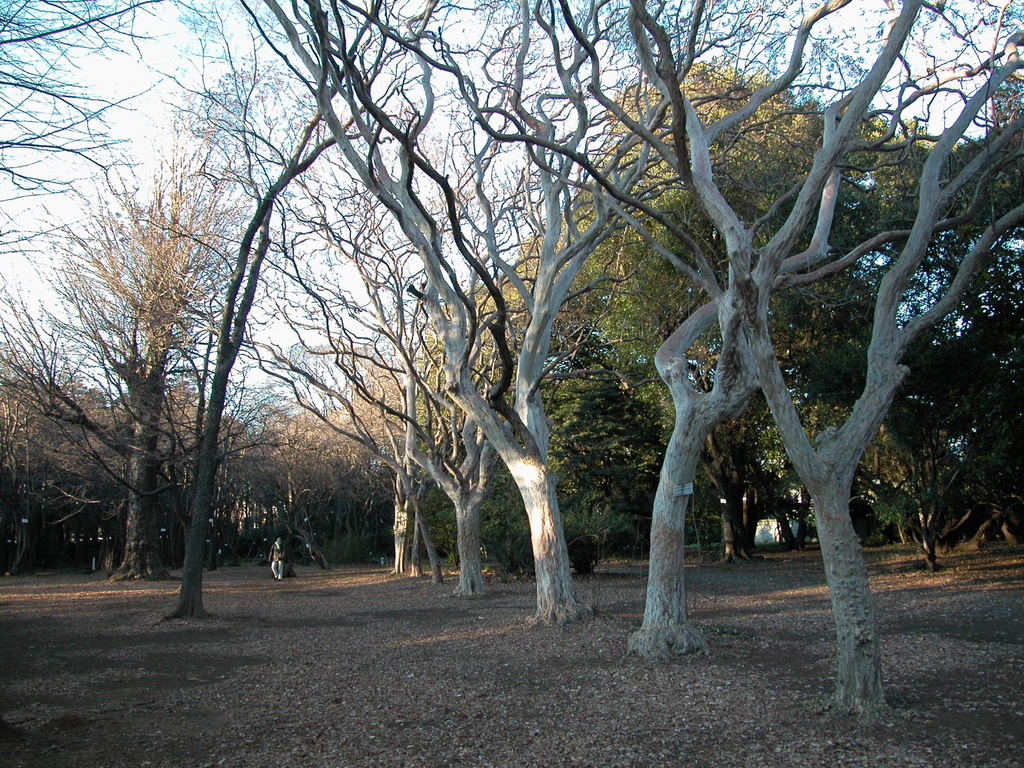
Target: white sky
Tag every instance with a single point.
(140, 73)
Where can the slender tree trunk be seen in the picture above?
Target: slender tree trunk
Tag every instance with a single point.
(556, 592)
(858, 666)
(436, 576)
(800, 539)
(415, 558)
(666, 630)
(557, 601)
(190, 595)
(928, 540)
(467, 523)
(827, 468)
(24, 550)
(400, 535)
(238, 300)
(753, 509)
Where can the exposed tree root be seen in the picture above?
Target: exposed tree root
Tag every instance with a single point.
(564, 613)
(133, 574)
(469, 587)
(664, 642)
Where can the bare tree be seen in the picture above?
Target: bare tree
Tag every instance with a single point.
(43, 110)
(236, 304)
(263, 151)
(374, 337)
(478, 230)
(132, 284)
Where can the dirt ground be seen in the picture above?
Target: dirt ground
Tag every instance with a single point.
(354, 667)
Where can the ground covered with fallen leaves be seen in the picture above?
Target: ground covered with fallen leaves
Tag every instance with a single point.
(356, 667)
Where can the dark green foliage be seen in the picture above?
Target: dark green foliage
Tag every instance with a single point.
(504, 530)
(440, 515)
(606, 448)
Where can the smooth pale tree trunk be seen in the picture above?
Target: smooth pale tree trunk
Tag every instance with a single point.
(525, 456)
(467, 497)
(466, 489)
(827, 468)
(666, 630)
(557, 602)
(858, 685)
(400, 535)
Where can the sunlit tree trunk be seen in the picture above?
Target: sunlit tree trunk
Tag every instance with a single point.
(400, 532)
(557, 601)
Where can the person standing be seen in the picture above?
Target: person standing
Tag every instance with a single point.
(277, 559)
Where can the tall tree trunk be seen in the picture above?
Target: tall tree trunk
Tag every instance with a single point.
(436, 576)
(666, 630)
(400, 534)
(827, 468)
(238, 300)
(467, 523)
(190, 595)
(523, 450)
(556, 592)
(25, 545)
(928, 540)
(858, 665)
(415, 558)
(142, 557)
